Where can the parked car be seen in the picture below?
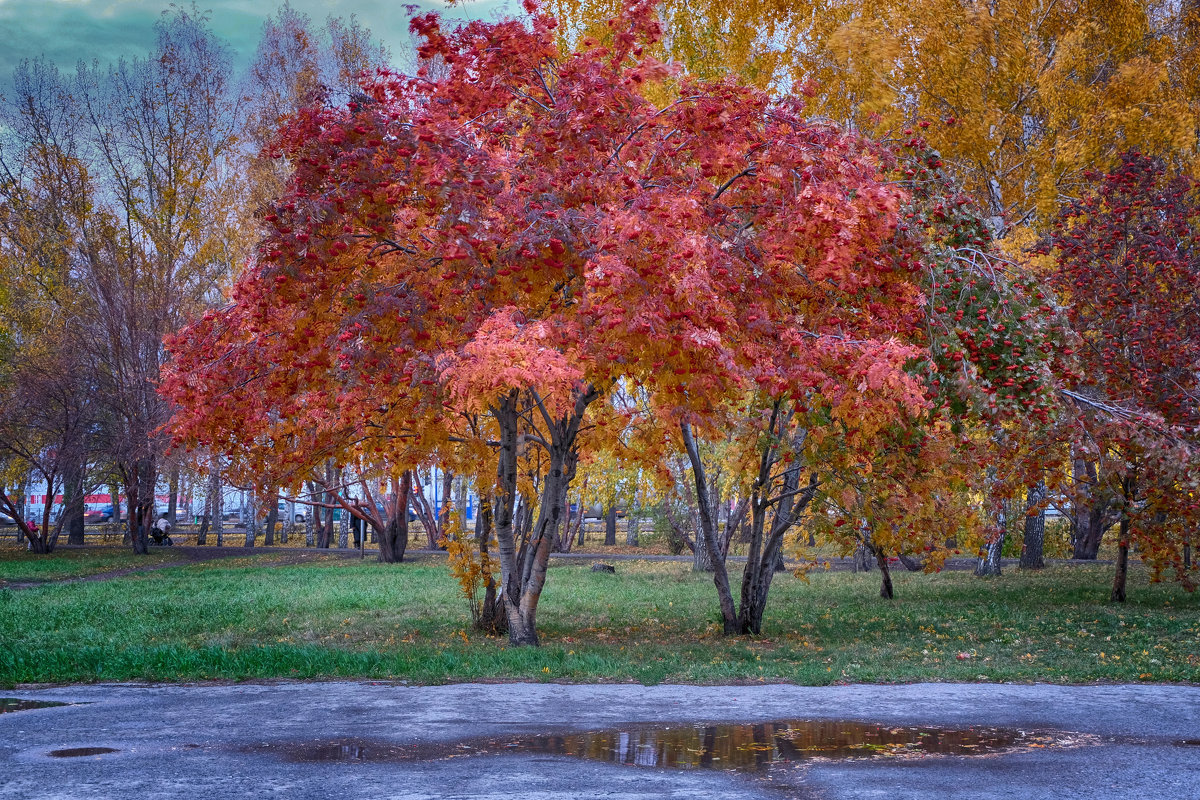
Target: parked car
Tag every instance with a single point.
(597, 511)
(283, 512)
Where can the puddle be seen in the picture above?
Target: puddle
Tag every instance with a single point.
(727, 746)
(16, 704)
(79, 752)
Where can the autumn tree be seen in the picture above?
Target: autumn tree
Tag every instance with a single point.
(1128, 256)
(1021, 98)
(755, 41)
(118, 195)
(46, 429)
(995, 342)
(297, 64)
(43, 199)
(514, 237)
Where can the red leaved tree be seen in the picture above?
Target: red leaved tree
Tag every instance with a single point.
(478, 257)
(1128, 270)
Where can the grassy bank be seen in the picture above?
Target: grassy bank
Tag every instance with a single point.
(651, 622)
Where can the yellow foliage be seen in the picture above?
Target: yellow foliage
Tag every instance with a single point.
(1020, 97)
(474, 570)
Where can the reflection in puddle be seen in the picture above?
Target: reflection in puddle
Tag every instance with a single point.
(728, 746)
(16, 704)
(753, 746)
(77, 752)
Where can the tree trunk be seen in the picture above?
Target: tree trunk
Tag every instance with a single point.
(989, 563)
(1089, 512)
(1118, 589)
(766, 543)
(250, 519)
(173, 494)
(135, 490)
(610, 526)
(325, 533)
(272, 518)
(218, 506)
(735, 523)
(136, 530)
(885, 583)
(206, 514)
(522, 595)
(1088, 526)
(562, 537)
(149, 479)
(393, 539)
(426, 512)
(702, 552)
(447, 502)
(565, 539)
(506, 501)
(310, 517)
(632, 524)
(35, 542)
(1033, 544)
(862, 559)
(492, 619)
(708, 533)
(289, 524)
(74, 489)
(22, 491)
(523, 571)
(704, 557)
(344, 529)
(1128, 493)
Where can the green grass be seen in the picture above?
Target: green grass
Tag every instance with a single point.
(18, 565)
(651, 622)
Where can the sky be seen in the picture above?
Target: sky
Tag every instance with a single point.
(65, 31)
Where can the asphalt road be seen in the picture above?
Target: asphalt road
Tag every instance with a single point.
(251, 740)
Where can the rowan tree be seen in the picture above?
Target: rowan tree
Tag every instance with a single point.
(1128, 256)
(514, 236)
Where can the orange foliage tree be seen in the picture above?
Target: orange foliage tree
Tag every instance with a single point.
(476, 258)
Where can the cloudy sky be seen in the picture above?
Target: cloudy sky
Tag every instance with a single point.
(66, 31)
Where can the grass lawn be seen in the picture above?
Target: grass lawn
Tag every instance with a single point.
(18, 565)
(651, 622)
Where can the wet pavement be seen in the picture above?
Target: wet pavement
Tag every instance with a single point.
(539, 741)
